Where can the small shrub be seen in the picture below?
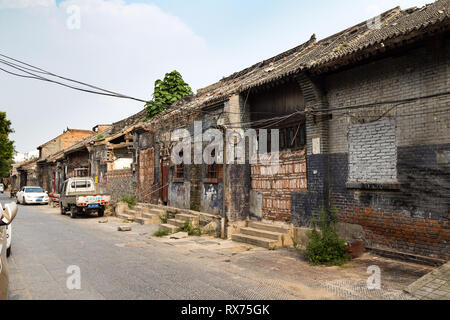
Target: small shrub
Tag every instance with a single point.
(130, 199)
(190, 229)
(161, 233)
(100, 136)
(325, 247)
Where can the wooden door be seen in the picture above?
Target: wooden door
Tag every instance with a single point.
(164, 193)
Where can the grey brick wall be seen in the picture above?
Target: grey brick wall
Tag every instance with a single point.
(419, 72)
(373, 152)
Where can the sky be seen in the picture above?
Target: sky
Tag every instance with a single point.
(125, 45)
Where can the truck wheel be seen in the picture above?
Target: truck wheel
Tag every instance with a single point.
(101, 212)
(73, 212)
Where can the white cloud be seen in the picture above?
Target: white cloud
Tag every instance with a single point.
(20, 4)
(121, 47)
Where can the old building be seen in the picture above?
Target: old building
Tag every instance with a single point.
(363, 126)
(47, 175)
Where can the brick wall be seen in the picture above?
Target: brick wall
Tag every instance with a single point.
(373, 151)
(146, 177)
(276, 185)
(119, 183)
(414, 218)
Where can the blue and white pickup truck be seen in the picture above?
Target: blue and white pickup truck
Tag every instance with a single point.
(78, 196)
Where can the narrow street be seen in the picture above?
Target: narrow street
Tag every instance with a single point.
(134, 265)
(45, 244)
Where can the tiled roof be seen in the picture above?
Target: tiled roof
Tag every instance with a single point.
(114, 129)
(312, 55)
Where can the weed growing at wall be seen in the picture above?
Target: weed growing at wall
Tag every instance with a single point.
(324, 246)
(130, 199)
(190, 229)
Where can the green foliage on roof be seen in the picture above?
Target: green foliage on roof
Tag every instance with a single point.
(167, 92)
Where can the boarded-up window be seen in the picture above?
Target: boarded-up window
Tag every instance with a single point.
(373, 152)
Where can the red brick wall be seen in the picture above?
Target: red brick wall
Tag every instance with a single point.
(276, 187)
(146, 175)
(421, 236)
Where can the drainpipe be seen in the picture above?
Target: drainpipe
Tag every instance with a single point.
(224, 220)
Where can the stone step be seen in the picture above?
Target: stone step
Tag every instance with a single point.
(126, 217)
(170, 227)
(194, 220)
(158, 212)
(155, 218)
(145, 221)
(256, 241)
(268, 227)
(134, 212)
(176, 222)
(262, 233)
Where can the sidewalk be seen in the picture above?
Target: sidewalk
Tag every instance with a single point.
(433, 286)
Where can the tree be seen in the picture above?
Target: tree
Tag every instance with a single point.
(6, 145)
(167, 92)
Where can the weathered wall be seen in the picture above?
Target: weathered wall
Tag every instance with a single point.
(146, 177)
(276, 185)
(73, 136)
(193, 191)
(79, 159)
(414, 217)
(120, 183)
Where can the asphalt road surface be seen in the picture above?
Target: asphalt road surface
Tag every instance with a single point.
(115, 265)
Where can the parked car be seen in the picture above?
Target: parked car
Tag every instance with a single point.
(78, 196)
(6, 217)
(28, 195)
(2, 187)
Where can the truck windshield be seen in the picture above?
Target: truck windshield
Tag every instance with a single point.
(37, 190)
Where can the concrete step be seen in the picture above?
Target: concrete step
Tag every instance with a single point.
(256, 241)
(176, 222)
(170, 227)
(262, 233)
(268, 227)
(194, 220)
(284, 238)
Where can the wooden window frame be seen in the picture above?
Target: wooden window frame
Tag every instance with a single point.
(214, 172)
(178, 173)
(285, 144)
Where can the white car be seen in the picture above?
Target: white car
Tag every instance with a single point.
(2, 188)
(29, 195)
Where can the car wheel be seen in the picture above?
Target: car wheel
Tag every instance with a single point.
(8, 252)
(73, 212)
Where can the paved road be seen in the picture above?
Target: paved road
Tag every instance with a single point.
(116, 265)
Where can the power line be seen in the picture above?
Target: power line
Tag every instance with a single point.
(367, 105)
(31, 71)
